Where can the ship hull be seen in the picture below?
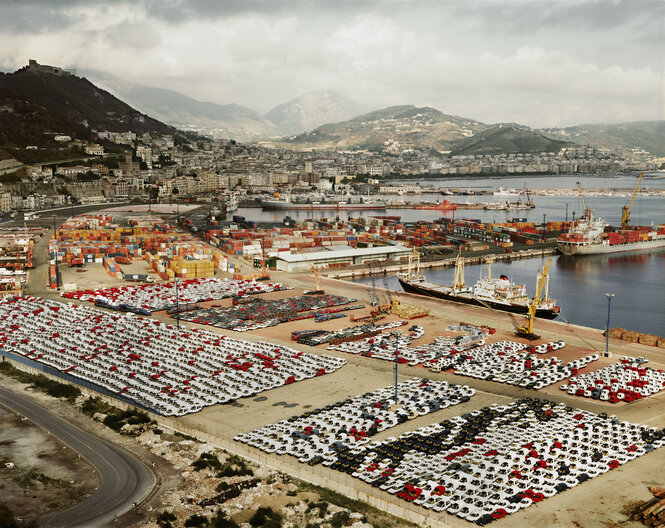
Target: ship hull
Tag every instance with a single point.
(410, 287)
(601, 249)
(268, 204)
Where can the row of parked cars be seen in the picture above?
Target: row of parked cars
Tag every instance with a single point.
(627, 381)
(168, 370)
(160, 296)
(481, 465)
(317, 435)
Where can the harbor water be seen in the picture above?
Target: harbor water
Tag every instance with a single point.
(578, 284)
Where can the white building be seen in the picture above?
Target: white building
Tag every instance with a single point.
(334, 255)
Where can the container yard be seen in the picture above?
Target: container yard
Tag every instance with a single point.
(280, 246)
(130, 248)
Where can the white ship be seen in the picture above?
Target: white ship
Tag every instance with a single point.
(492, 292)
(593, 236)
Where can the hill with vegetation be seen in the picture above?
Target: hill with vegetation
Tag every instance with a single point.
(506, 140)
(392, 129)
(626, 137)
(37, 103)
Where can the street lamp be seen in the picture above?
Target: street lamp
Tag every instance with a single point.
(177, 305)
(607, 327)
(396, 362)
(566, 212)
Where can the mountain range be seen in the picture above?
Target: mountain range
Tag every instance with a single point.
(37, 102)
(230, 120)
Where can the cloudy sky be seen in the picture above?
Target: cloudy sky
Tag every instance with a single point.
(535, 62)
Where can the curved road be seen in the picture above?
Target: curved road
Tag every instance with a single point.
(123, 479)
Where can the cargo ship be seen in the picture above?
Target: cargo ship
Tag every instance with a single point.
(491, 292)
(309, 204)
(446, 205)
(594, 236)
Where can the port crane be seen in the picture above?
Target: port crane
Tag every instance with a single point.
(585, 212)
(526, 330)
(625, 213)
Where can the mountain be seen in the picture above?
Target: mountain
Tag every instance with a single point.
(185, 113)
(392, 129)
(311, 110)
(506, 140)
(39, 102)
(641, 135)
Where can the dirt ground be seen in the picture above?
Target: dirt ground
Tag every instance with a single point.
(38, 473)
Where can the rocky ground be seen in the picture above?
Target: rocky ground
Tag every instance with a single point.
(199, 485)
(38, 473)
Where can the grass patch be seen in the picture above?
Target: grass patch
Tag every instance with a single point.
(30, 479)
(41, 382)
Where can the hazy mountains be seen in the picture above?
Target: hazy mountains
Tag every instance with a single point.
(646, 135)
(230, 120)
(38, 102)
(312, 110)
(185, 113)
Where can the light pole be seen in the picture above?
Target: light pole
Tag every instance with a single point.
(566, 212)
(177, 305)
(544, 217)
(54, 226)
(396, 362)
(607, 328)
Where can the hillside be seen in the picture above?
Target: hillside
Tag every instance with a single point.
(38, 102)
(641, 135)
(505, 140)
(311, 110)
(390, 129)
(186, 113)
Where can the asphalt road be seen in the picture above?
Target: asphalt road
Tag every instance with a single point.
(123, 479)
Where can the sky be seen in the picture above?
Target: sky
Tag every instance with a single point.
(534, 62)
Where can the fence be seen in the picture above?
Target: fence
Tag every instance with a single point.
(91, 387)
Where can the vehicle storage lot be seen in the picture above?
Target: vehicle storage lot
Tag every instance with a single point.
(603, 501)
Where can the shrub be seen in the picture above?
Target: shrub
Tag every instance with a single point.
(165, 518)
(266, 517)
(220, 520)
(207, 460)
(340, 519)
(196, 521)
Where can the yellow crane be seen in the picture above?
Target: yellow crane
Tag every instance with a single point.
(625, 214)
(526, 330)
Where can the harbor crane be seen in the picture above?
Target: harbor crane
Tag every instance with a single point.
(625, 213)
(582, 202)
(526, 330)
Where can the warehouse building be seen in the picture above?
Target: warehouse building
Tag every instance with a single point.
(339, 256)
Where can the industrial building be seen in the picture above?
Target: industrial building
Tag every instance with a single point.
(339, 256)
